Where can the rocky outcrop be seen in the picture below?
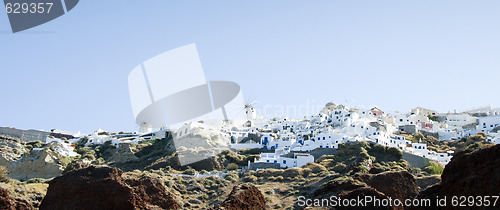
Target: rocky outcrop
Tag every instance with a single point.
(9, 203)
(152, 191)
(122, 154)
(244, 196)
(395, 184)
(199, 144)
(77, 165)
(105, 188)
(349, 189)
(469, 174)
(362, 192)
(38, 164)
(11, 150)
(23, 165)
(472, 173)
(427, 181)
(387, 185)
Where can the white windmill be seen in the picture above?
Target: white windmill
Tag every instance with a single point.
(250, 112)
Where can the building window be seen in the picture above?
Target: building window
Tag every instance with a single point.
(284, 161)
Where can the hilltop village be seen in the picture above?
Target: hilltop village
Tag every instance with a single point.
(292, 139)
(243, 163)
(289, 142)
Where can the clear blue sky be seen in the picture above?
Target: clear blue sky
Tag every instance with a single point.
(71, 73)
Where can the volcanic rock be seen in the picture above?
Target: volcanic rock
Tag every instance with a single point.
(349, 189)
(427, 181)
(244, 196)
(38, 164)
(9, 203)
(105, 188)
(395, 184)
(473, 173)
(470, 174)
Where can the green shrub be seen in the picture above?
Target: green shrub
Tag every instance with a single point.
(433, 167)
(362, 169)
(364, 153)
(34, 144)
(340, 168)
(269, 172)
(3, 174)
(65, 161)
(433, 118)
(89, 156)
(292, 172)
(104, 150)
(81, 142)
(250, 178)
(395, 152)
(315, 168)
(364, 145)
(232, 167)
(378, 149)
(84, 150)
(234, 157)
(418, 136)
(232, 176)
(189, 171)
(99, 161)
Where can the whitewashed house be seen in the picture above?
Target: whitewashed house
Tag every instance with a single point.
(488, 123)
(457, 121)
(285, 159)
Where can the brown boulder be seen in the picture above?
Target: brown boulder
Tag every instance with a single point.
(350, 189)
(430, 194)
(336, 187)
(363, 192)
(105, 188)
(427, 181)
(9, 203)
(153, 192)
(472, 173)
(244, 196)
(395, 184)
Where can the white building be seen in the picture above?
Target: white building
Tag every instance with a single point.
(250, 112)
(457, 121)
(486, 124)
(286, 160)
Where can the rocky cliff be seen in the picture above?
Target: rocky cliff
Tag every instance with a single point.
(105, 188)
